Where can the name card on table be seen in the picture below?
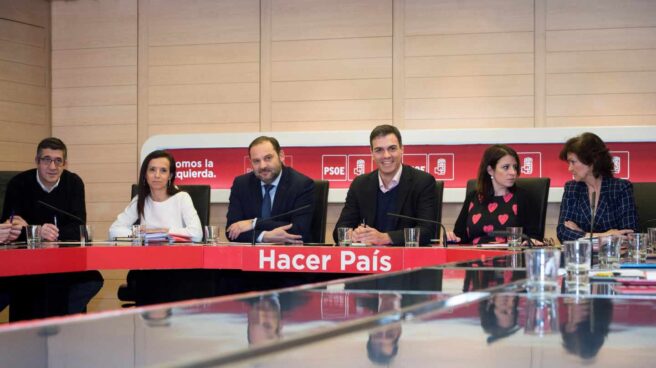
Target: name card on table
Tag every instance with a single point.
(322, 259)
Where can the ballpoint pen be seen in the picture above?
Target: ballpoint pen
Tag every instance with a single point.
(11, 217)
(55, 219)
(364, 222)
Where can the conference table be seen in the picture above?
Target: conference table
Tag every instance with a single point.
(479, 314)
(17, 260)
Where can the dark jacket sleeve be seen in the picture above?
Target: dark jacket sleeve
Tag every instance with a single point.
(626, 207)
(460, 228)
(237, 210)
(567, 205)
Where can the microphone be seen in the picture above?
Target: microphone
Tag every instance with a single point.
(257, 222)
(593, 203)
(444, 239)
(59, 210)
(506, 234)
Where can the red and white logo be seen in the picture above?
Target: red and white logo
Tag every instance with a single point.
(333, 167)
(530, 164)
(358, 165)
(621, 163)
(416, 160)
(441, 165)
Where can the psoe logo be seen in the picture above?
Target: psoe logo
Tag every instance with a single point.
(333, 167)
(441, 165)
(621, 164)
(530, 164)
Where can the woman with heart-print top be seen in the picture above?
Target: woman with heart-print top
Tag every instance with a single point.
(496, 203)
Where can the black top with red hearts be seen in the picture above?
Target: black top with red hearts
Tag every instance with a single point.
(477, 217)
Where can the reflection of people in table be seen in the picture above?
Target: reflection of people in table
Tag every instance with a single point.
(56, 294)
(264, 320)
(392, 188)
(496, 203)
(159, 203)
(271, 189)
(586, 326)
(499, 316)
(591, 165)
(383, 343)
(265, 314)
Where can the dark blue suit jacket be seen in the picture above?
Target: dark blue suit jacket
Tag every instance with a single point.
(616, 209)
(416, 198)
(294, 190)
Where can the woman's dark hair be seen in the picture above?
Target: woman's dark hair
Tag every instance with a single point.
(590, 334)
(144, 189)
(591, 151)
(491, 157)
(490, 322)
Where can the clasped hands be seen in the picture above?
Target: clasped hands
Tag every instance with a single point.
(277, 235)
(370, 236)
(573, 226)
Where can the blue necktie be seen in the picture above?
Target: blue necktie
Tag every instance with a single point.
(266, 201)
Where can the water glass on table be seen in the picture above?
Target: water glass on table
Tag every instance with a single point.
(411, 235)
(609, 252)
(514, 236)
(33, 235)
(638, 243)
(211, 234)
(542, 270)
(344, 237)
(651, 232)
(137, 234)
(578, 260)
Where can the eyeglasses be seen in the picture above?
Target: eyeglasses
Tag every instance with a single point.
(47, 160)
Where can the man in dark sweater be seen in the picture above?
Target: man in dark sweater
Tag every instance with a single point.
(393, 188)
(50, 183)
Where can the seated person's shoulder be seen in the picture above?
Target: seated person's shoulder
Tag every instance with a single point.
(420, 175)
(299, 176)
(72, 176)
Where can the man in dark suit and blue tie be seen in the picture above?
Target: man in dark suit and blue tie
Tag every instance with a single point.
(269, 190)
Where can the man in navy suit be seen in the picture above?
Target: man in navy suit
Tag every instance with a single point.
(269, 190)
(393, 188)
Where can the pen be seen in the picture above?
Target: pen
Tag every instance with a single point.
(364, 222)
(11, 217)
(55, 218)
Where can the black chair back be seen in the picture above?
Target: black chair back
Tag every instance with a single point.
(439, 195)
(645, 199)
(538, 194)
(318, 227)
(200, 196)
(5, 176)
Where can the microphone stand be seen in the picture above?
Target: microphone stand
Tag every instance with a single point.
(444, 238)
(58, 210)
(593, 204)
